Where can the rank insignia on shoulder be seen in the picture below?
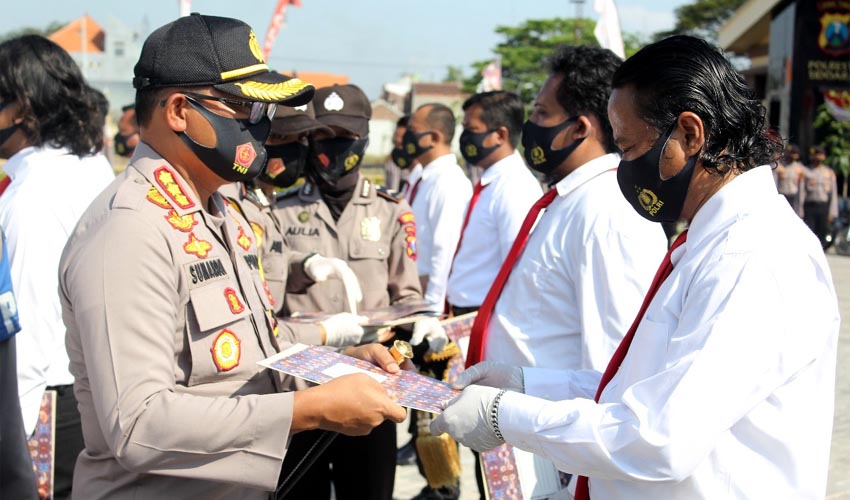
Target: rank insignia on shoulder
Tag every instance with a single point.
(364, 190)
(165, 179)
(155, 197)
(226, 351)
(370, 228)
(233, 301)
(183, 223)
(199, 248)
(387, 194)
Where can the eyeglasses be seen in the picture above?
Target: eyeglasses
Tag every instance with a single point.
(257, 109)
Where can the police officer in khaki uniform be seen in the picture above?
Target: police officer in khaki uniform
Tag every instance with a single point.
(818, 196)
(788, 174)
(339, 213)
(165, 315)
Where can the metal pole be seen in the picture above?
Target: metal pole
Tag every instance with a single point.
(578, 15)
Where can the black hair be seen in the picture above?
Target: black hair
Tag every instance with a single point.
(684, 73)
(147, 100)
(586, 85)
(500, 109)
(402, 122)
(57, 106)
(441, 118)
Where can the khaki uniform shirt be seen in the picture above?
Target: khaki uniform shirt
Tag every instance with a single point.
(375, 235)
(788, 177)
(819, 185)
(166, 317)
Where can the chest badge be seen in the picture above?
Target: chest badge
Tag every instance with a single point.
(233, 302)
(370, 229)
(199, 248)
(226, 351)
(304, 216)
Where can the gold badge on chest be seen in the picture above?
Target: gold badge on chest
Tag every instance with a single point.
(370, 229)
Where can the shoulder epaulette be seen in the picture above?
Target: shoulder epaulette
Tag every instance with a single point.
(388, 194)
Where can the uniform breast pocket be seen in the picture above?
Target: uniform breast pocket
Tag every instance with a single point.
(217, 325)
(647, 354)
(368, 259)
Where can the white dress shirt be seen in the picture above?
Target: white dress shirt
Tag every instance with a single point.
(438, 206)
(50, 190)
(509, 192)
(581, 279)
(727, 390)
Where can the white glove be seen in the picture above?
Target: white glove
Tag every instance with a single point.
(343, 329)
(320, 268)
(429, 329)
(492, 374)
(467, 418)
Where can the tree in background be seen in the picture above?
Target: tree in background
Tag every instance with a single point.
(524, 50)
(835, 139)
(702, 18)
(49, 30)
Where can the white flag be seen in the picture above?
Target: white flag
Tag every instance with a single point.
(492, 74)
(185, 7)
(607, 31)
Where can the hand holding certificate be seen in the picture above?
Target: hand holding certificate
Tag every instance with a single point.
(321, 365)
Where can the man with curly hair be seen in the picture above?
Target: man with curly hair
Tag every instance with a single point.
(51, 134)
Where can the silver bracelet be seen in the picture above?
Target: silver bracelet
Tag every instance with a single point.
(494, 414)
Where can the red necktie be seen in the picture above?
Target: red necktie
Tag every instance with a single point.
(478, 336)
(5, 183)
(582, 488)
(415, 188)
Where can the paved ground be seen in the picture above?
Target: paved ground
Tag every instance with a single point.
(409, 482)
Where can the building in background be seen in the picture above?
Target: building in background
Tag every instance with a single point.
(800, 54)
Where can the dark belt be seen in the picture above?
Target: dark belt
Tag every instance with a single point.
(457, 310)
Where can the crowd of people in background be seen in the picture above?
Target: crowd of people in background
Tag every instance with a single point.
(144, 301)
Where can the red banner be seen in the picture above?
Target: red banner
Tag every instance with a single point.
(276, 23)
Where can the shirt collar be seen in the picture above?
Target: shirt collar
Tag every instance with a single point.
(439, 163)
(745, 193)
(587, 172)
(513, 160)
(17, 164)
(165, 179)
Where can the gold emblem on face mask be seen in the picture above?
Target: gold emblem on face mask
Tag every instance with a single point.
(402, 162)
(649, 201)
(537, 155)
(351, 161)
(254, 45)
(471, 150)
(410, 147)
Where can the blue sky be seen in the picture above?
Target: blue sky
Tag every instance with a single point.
(372, 41)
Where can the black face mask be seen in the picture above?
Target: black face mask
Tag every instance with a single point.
(410, 142)
(401, 159)
(286, 163)
(332, 159)
(537, 142)
(653, 198)
(472, 146)
(7, 132)
(121, 146)
(238, 154)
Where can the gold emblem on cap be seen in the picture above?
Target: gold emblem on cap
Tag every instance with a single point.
(351, 161)
(304, 216)
(271, 91)
(370, 229)
(254, 45)
(537, 155)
